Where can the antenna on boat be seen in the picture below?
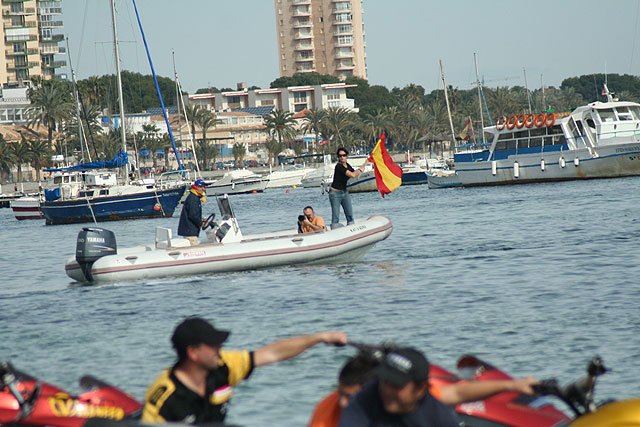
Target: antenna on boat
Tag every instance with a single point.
(120, 96)
(475, 61)
(542, 85)
(446, 98)
(184, 111)
(526, 86)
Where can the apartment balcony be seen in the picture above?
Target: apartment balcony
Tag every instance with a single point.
(52, 38)
(49, 11)
(305, 46)
(300, 58)
(51, 24)
(305, 70)
(343, 33)
(344, 43)
(303, 24)
(341, 55)
(303, 36)
(55, 64)
(342, 21)
(345, 67)
(301, 2)
(29, 51)
(21, 38)
(334, 10)
(30, 64)
(25, 11)
(54, 50)
(27, 24)
(301, 13)
(13, 1)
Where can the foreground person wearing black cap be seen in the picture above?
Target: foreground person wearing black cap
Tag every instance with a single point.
(198, 388)
(399, 396)
(191, 216)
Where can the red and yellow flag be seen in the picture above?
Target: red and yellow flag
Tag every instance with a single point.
(466, 131)
(388, 174)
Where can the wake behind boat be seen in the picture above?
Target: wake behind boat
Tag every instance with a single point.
(99, 260)
(597, 140)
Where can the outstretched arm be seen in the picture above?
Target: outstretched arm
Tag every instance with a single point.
(291, 347)
(454, 394)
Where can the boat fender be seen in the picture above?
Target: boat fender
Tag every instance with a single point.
(494, 167)
(542, 165)
(576, 162)
(561, 162)
(516, 170)
(93, 243)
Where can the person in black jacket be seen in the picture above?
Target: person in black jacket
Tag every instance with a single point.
(191, 216)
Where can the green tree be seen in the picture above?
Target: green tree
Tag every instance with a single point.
(337, 122)
(39, 153)
(313, 122)
(238, 154)
(7, 159)
(206, 153)
(280, 125)
(21, 155)
(50, 106)
(192, 115)
(207, 120)
(274, 148)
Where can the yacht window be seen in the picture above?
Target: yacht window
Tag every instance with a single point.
(511, 145)
(104, 192)
(538, 131)
(523, 143)
(635, 110)
(501, 145)
(535, 142)
(624, 113)
(591, 123)
(607, 115)
(506, 135)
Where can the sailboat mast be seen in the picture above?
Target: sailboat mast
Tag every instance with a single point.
(178, 98)
(542, 85)
(526, 86)
(75, 96)
(446, 98)
(120, 97)
(475, 61)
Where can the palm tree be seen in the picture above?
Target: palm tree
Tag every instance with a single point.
(51, 105)
(374, 124)
(39, 154)
(21, 155)
(109, 144)
(280, 124)
(238, 153)
(338, 121)
(206, 120)
(7, 159)
(274, 148)
(193, 113)
(207, 152)
(313, 121)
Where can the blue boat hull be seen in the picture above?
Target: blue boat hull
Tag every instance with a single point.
(414, 178)
(114, 208)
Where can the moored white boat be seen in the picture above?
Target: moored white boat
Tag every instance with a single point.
(597, 140)
(413, 175)
(228, 250)
(27, 207)
(237, 181)
(287, 177)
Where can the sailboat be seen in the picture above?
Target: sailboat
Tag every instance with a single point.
(88, 193)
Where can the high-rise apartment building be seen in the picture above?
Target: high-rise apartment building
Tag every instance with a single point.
(29, 44)
(325, 36)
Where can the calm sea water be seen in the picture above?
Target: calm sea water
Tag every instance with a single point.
(536, 279)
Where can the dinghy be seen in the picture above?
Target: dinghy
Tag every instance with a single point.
(99, 260)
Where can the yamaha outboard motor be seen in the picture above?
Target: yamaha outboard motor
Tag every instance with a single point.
(94, 243)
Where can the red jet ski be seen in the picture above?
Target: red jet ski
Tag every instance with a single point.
(25, 400)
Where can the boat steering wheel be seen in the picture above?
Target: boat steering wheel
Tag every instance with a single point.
(209, 222)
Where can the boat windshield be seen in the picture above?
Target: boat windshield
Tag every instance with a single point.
(607, 115)
(624, 113)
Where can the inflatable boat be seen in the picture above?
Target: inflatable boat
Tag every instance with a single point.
(98, 259)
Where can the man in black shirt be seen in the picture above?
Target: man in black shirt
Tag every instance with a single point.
(399, 396)
(198, 388)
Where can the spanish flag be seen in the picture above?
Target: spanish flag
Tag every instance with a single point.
(466, 131)
(388, 174)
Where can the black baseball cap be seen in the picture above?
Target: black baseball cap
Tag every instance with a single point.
(403, 365)
(195, 330)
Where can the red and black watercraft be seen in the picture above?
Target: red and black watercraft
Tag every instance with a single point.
(24, 400)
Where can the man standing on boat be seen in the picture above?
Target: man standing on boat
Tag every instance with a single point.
(191, 216)
(198, 388)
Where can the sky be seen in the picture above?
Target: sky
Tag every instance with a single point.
(223, 42)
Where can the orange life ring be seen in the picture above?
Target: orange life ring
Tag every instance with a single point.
(511, 125)
(550, 120)
(530, 120)
(502, 121)
(520, 121)
(540, 119)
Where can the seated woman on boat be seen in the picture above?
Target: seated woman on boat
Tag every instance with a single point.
(310, 222)
(191, 216)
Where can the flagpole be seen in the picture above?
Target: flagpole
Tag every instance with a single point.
(446, 98)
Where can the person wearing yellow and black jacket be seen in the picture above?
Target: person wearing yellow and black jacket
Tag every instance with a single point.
(191, 216)
(198, 388)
